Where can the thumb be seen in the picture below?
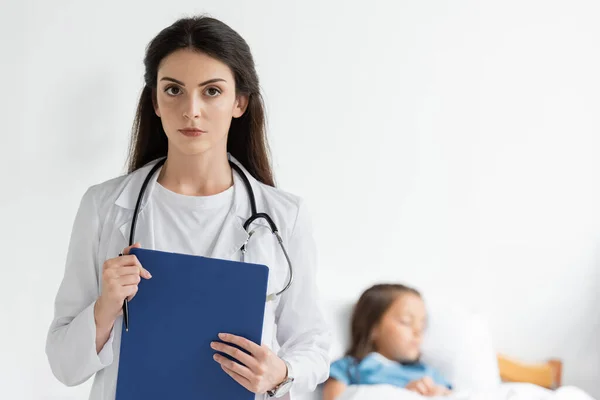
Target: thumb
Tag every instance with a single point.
(144, 273)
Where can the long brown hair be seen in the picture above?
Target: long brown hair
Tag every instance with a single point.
(368, 311)
(247, 140)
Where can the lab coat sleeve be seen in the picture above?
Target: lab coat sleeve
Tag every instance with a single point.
(71, 341)
(302, 332)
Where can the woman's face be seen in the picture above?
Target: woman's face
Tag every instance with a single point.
(195, 91)
(399, 334)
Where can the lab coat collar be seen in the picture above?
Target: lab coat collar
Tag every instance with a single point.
(128, 197)
(232, 236)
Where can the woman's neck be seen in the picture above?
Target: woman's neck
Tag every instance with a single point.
(197, 175)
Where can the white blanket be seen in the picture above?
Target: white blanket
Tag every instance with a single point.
(506, 391)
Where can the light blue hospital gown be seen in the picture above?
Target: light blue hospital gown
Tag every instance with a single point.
(376, 369)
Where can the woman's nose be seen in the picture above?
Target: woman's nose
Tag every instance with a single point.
(193, 108)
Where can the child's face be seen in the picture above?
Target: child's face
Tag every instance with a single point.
(399, 334)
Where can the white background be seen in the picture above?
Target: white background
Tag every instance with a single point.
(449, 145)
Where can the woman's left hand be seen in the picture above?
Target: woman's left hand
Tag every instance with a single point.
(262, 369)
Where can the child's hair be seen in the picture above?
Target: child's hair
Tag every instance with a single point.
(368, 311)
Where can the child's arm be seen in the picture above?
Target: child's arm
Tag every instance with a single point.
(427, 387)
(339, 378)
(333, 389)
(424, 386)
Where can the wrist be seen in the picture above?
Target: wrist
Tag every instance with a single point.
(286, 383)
(285, 372)
(104, 321)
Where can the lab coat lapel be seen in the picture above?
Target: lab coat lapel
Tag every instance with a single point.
(144, 232)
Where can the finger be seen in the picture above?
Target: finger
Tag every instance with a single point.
(130, 291)
(128, 261)
(116, 273)
(132, 260)
(238, 354)
(421, 388)
(127, 280)
(244, 343)
(429, 384)
(238, 378)
(123, 271)
(144, 273)
(121, 262)
(233, 366)
(127, 249)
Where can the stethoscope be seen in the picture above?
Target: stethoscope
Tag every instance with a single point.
(255, 216)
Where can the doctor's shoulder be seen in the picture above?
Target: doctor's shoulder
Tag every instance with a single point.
(103, 195)
(288, 210)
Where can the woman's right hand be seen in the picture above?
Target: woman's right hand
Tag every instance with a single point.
(120, 278)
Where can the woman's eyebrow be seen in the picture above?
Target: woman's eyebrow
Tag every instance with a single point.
(166, 78)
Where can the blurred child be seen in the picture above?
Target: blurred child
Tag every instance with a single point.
(387, 331)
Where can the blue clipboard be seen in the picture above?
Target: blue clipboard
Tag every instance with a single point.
(166, 353)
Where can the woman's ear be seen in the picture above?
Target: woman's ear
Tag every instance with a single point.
(155, 103)
(241, 103)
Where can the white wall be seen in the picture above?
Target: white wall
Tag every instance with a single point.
(449, 145)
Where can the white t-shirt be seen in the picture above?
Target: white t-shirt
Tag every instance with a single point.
(188, 224)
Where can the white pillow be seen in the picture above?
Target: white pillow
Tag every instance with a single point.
(460, 346)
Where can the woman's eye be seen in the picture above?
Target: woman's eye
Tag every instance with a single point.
(213, 92)
(169, 90)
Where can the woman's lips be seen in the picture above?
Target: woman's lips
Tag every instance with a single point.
(191, 132)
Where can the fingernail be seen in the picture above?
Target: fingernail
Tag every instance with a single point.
(213, 345)
(221, 336)
(149, 275)
(215, 357)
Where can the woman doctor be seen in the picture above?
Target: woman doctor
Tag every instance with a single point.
(200, 108)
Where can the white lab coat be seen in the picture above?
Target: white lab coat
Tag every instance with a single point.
(293, 325)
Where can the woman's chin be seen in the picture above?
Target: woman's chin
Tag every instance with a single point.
(193, 149)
